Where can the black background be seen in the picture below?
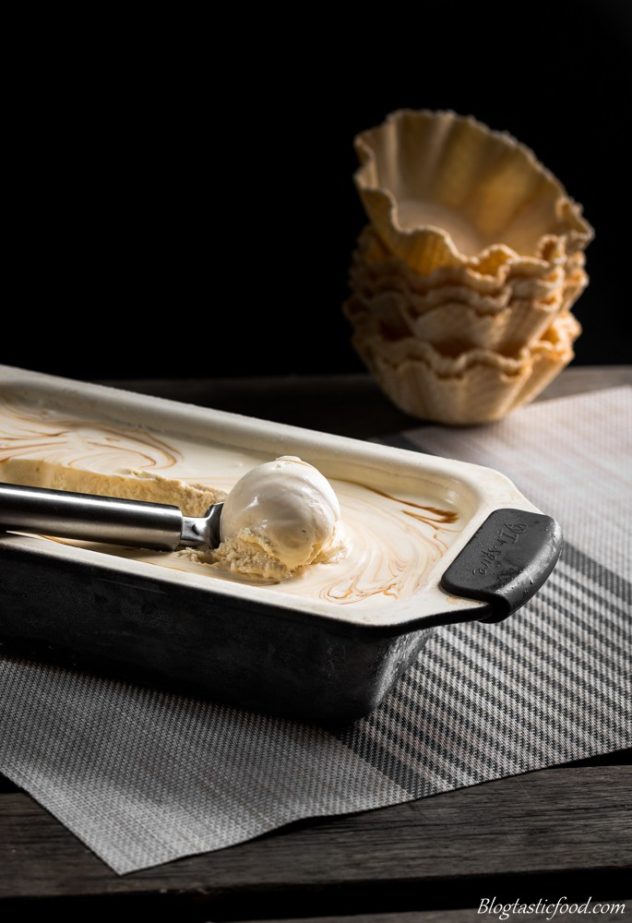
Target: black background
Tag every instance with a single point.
(183, 195)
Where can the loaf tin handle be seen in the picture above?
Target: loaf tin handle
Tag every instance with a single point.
(82, 516)
(506, 561)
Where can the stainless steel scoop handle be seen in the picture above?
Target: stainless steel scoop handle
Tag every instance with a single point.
(103, 519)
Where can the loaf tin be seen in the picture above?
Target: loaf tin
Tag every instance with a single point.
(232, 641)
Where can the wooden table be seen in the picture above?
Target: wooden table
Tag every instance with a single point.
(558, 832)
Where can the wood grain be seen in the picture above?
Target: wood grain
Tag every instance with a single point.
(349, 405)
(536, 823)
(470, 915)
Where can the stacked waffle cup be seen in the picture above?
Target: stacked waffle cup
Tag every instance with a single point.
(463, 281)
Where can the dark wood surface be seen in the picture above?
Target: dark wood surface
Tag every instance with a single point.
(349, 405)
(560, 832)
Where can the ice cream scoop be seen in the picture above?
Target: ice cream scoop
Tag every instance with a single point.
(280, 516)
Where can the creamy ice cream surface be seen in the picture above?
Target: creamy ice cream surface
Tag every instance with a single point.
(279, 517)
(358, 541)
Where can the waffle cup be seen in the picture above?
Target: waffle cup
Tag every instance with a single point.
(463, 280)
(575, 282)
(373, 269)
(444, 192)
(465, 320)
(455, 327)
(475, 386)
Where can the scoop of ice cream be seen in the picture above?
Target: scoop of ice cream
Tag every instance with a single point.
(279, 517)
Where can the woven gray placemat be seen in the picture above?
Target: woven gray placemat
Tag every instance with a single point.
(143, 776)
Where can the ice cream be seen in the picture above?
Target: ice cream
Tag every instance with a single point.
(281, 516)
(127, 484)
(393, 531)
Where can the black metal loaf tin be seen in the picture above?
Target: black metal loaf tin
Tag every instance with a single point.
(231, 641)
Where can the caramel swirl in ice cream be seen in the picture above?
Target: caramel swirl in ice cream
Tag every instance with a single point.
(392, 537)
(43, 449)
